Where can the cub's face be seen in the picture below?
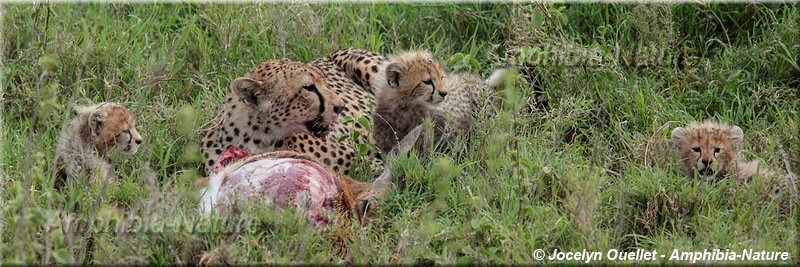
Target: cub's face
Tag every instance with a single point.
(129, 140)
(417, 78)
(112, 125)
(707, 148)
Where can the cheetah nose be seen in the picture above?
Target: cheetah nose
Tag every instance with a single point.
(138, 141)
(706, 162)
(443, 94)
(338, 109)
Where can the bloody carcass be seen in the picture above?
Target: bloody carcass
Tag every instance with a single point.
(291, 179)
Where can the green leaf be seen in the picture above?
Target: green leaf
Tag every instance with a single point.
(475, 65)
(475, 223)
(14, 261)
(364, 122)
(61, 256)
(525, 162)
(464, 260)
(57, 237)
(459, 65)
(467, 250)
(363, 149)
(186, 117)
(35, 216)
(537, 18)
(455, 58)
(346, 119)
(49, 62)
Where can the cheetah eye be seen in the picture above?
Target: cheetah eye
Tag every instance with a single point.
(310, 88)
(716, 150)
(428, 82)
(696, 149)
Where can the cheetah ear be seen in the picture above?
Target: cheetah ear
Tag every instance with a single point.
(393, 71)
(247, 89)
(678, 135)
(96, 119)
(735, 134)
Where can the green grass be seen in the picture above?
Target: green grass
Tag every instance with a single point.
(578, 157)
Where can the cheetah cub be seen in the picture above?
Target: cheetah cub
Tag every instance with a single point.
(87, 144)
(711, 149)
(411, 86)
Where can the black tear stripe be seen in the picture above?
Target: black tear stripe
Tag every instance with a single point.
(130, 138)
(321, 101)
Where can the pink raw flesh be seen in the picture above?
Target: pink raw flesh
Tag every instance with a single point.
(301, 183)
(229, 156)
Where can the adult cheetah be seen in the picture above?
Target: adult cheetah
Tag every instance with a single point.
(275, 100)
(255, 117)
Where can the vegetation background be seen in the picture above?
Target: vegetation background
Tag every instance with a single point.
(578, 157)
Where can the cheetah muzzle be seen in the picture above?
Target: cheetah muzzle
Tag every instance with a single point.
(318, 128)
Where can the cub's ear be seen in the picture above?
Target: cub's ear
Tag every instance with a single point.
(248, 89)
(735, 134)
(96, 119)
(393, 71)
(678, 136)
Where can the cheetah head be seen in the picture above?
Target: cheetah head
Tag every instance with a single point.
(414, 77)
(707, 148)
(111, 125)
(288, 97)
